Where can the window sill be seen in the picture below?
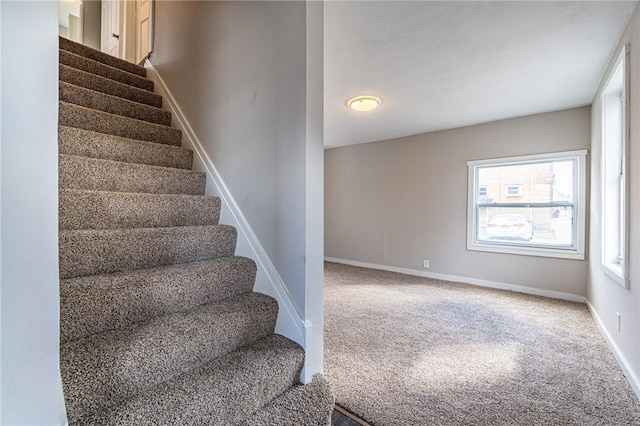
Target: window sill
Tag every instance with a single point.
(615, 273)
(527, 251)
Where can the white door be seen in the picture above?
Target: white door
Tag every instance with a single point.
(111, 27)
(143, 29)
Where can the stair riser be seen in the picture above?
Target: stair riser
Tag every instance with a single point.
(98, 121)
(110, 368)
(85, 143)
(90, 305)
(101, 252)
(102, 175)
(114, 210)
(102, 57)
(94, 67)
(314, 403)
(221, 393)
(106, 85)
(113, 105)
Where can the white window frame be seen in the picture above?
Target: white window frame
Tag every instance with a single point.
(615, 266)
(577, 250)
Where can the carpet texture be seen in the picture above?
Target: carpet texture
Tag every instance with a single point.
(158, 321)
(403, 350)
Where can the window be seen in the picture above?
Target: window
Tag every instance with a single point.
(534, 205)
(482, 191)
(615, 226)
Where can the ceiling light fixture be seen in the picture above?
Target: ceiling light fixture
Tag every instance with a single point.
(364, 103)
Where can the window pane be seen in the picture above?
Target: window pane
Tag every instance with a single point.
(527, 226)
(539, 182)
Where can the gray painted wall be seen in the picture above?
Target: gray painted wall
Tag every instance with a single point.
(91, 22)
(31, 386)
(606, 296)
(238, 72)
(398, 202)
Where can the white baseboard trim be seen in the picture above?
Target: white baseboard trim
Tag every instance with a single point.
(290, 322)
(466, 280)
(622, 361)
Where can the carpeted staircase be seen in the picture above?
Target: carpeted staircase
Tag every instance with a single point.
(159, 323)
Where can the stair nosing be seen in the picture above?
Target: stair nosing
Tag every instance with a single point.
(136, 76)
(113, 98)
(124, 138)
(142, 165)
(131, 329)
(119, 117)
(118, 98)
(288, 350)
(116, 83)
(151, 194)
(117, 60)
(108, 343)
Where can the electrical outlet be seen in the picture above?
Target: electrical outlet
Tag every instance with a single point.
(426, 264)
(618, 321)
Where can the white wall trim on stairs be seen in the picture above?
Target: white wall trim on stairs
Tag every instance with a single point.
(466, 280)
(617, 353)
(290, 322)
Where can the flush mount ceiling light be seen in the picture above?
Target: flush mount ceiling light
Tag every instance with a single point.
(364, 103)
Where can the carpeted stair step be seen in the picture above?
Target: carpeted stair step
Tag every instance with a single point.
(220, 393)
(93, 252)
(309, 404)
(86, 143)
(110, 367)
(88, 209)
(96, 55)
(94, 67)
(72, 115)
(98, 303)
(106, 175)
(88, 98)
(106, 85)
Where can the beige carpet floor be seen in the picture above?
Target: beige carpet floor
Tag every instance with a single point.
(403, 350)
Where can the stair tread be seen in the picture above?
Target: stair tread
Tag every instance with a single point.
(93, 252)
(112, 366)
(92, 66)
(97, 303)
(309, 404)
(107, 85)
(107, 175)
(219, 393)
(73, 115)
(88, 98)
(88, 52)
(87, 143)
(91, 209)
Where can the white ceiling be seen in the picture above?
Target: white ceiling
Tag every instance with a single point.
(441, 65)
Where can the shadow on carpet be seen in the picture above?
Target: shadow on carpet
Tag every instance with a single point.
(404, 350)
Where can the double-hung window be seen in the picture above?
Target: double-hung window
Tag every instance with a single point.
(615, 179)
(532, 205)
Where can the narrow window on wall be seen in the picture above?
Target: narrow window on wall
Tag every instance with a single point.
(532, 205)
(615, 186)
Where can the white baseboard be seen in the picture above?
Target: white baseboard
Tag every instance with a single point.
(466, 280)
(290, 322)
(622, 361)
